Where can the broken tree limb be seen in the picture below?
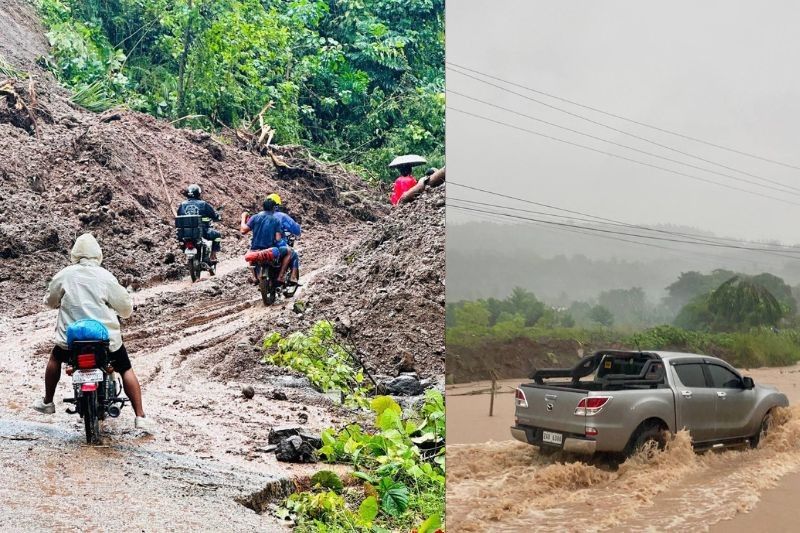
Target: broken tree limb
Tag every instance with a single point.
(166, 190)
(417, 189)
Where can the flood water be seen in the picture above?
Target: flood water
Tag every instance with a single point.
(498, 484)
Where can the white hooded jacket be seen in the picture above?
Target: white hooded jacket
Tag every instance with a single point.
(86, 290)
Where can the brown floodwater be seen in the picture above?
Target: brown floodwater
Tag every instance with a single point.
(498, 484)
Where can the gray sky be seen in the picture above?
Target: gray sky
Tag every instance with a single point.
(727, 72)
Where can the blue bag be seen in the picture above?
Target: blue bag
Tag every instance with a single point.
(86, 330)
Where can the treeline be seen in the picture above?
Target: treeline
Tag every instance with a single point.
(719, 301)
(357, 81)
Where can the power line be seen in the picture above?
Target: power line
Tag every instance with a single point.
(618, 239)
(614, 232)
(610, 154)
(612, 221)
(627, 119)
(786, 188)
(705, 242)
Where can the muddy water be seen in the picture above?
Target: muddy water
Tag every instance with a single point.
(504, 485)
(209, 451)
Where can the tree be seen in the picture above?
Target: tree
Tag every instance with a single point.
(525, 303)
(602, 316)
(741, 302)
(629, 306)
(691, 285)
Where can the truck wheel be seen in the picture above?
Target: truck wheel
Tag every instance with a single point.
(547, 451)
(642, 439)
(763, 429)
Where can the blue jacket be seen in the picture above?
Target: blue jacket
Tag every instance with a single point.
(287, 224)
(264, 226)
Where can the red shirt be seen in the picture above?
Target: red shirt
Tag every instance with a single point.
(401, 185)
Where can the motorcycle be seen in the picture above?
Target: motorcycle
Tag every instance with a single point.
(266, 268)
(95, 384)
(194, 246)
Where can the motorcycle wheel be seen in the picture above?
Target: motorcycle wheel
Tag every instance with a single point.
(90, 421)
(194, 269)
(267, 291)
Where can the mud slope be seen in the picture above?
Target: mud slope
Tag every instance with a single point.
(73, 171)
(387, 294)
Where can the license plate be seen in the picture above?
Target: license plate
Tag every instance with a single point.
(190, 253)
(551, 438)
(87, 376)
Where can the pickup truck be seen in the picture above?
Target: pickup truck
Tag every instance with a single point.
(618, 401)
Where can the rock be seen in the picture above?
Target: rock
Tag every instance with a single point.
(279, 395)
(303, 417)
(404, 385)
(295, 450)
(278, 434)
(343, 324)
(248, 392)
(299, 307)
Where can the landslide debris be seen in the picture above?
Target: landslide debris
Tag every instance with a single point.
(387, 293)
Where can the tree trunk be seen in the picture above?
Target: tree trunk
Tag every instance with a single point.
(187, 42)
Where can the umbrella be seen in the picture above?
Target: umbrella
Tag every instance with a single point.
(410, 159)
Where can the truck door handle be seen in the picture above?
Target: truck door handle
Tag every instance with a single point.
(686, 393)
(721, 394)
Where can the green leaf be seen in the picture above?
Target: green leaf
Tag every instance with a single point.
(379, 404)
(394, 497)
(368, 509)
(430, 525)
(328, 480)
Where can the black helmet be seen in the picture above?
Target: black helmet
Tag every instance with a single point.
(193, 191)
(269, 204)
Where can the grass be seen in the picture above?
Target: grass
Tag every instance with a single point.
(754, 348)
(7, 69)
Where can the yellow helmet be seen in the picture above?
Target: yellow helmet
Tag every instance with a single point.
(275, 198)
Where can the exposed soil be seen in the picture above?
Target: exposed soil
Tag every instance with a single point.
(378, 272)
(516, 357)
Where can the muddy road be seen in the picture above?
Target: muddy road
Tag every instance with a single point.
(498, 484)
(193, 348)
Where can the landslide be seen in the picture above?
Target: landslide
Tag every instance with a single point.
(64, 171)
(387, 293)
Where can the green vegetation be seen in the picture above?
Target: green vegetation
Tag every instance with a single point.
(398, 467)
(326, 363)
(736, 318)
(358, 81)
(398, 477)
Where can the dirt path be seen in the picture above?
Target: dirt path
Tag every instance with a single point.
(206, 453)
(501, 485)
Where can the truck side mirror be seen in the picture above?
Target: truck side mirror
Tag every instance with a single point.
(748, 383)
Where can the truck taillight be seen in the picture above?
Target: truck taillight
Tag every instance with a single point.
(519, 399)
(591, 432)
(591, 405)
(189, 245)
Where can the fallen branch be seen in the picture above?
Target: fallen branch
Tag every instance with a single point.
(166, 190)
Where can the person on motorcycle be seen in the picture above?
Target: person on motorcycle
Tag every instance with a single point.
(194, 205)
(268, 233)
(87, 290)
(289, 226)
(402, 183)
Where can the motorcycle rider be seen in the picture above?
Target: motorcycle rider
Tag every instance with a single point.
(289, 226)
(268, 233)
(194, 205)
(87, 290)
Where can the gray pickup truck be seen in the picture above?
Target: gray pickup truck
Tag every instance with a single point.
(617, 401)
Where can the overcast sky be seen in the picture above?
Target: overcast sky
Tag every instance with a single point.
(727, 72)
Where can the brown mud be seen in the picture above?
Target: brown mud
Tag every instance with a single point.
(498, 484)
(376, 272)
